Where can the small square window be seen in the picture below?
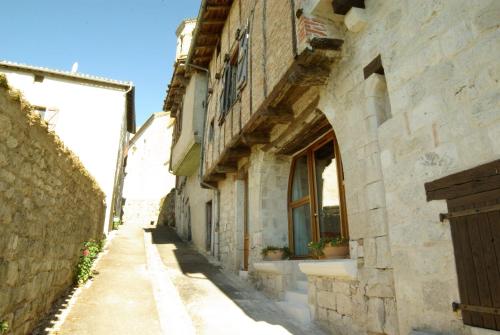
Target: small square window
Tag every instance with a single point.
(40, 110)
(38, 78)
(211, 131)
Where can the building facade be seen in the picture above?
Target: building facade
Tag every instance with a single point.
(93, 116)
(147, 177)
(185, 101)
(361, 120)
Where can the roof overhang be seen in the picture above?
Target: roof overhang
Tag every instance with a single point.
(176, 88)
(210, 22)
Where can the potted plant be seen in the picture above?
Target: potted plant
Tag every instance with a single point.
(272, 253)
(337, 247)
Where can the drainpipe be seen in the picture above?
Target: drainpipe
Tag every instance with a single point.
(202, 152)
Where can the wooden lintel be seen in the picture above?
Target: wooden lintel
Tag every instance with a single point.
(239, 152)
(255, 138)
(226, 168)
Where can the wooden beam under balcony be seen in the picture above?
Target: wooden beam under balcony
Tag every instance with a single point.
(341, 7)
(238, 152)
(217, 7)
(215, 177)
(226, 168)
(213, 22)
(255, 138)
(278, 114)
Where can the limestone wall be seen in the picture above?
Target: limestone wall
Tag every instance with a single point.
(441, 75)
(49, 205)
(190, 210)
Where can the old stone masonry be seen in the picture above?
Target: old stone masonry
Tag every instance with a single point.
(318, 167)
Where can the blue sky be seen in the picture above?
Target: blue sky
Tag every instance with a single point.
(131, 40)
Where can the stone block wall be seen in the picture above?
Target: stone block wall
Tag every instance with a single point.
(441, 78)
(272, 284)
(49, 205)
(142, 211)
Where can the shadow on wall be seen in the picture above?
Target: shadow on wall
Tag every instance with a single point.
(166, 216)
(187, 267)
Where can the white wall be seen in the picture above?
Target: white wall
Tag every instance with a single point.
(147, 163)
(89, 121)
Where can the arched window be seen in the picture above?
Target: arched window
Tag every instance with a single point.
(316, 199)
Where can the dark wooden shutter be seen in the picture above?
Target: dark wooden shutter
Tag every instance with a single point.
(473, 199)
(223, 98)
(242, 60)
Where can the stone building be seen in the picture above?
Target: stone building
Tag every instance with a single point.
(185, 98)
(147, 178)
(353, 119)
(93, 116)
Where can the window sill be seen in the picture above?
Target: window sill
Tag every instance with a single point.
(339, 268)
(483, 331)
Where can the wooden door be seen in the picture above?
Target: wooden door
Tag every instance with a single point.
(246, 238)
(208, 220)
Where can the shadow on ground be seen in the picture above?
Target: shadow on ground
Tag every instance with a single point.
(46, 325)
(188, 269)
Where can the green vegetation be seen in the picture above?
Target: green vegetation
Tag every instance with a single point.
(317, 247)
(286, 251)
(89, 251)
(4, 327)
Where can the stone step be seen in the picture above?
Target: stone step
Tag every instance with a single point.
(302, 286)
(296, 297)
(243, 274)
(298, 312)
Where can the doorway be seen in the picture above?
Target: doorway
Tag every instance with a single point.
(208, 220)
(246, 238)
(316, 199)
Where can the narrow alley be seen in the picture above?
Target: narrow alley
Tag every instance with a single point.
(253, 167)
(188, 295)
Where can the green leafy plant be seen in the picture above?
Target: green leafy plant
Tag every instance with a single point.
(266, 250)
(317, 247)
(89, 251)
(116, 223)
(4, 327)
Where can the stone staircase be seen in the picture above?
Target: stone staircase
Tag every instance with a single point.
(295, 303)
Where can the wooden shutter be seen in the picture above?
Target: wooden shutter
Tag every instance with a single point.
(473, 199)
(223, 95)
(241, 78)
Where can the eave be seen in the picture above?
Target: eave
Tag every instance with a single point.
(176, 88)
(210, 22)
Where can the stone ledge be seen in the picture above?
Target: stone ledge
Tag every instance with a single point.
(275, 267)
(341, 268)
(482, 331)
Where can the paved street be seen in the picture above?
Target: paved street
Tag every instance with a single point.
(150, 282)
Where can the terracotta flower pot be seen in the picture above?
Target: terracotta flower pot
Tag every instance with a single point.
(274, 255)
(337, 251)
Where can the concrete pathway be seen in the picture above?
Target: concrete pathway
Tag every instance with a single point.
(216, 302)
(120, 299)
(152, 283)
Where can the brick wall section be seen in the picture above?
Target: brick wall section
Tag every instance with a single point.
(49, 205)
